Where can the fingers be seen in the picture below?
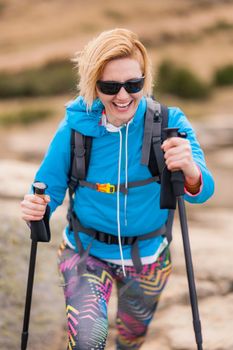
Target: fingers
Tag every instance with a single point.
(174, 142)
(177, 154)
(27, 217)
(177, 164)
(37, 199)
(33, 207)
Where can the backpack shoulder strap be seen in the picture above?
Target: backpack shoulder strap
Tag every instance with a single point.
(146, 145)
(164, 116)
(80, 147)
(156, 119)
(80, 156)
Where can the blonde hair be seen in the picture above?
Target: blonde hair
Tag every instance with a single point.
(109, 45)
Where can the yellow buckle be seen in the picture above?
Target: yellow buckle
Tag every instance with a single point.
(106, 188)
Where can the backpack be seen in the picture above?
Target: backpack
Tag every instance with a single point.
(156, 119)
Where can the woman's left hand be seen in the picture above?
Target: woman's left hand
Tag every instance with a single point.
(178, 156)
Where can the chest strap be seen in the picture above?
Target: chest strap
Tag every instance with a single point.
(112, 239)
(109, 188)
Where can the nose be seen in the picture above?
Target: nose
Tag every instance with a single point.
(122, 93)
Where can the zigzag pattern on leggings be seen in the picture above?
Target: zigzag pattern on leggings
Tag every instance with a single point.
(69, 263)
(98, 331)
(100, 286)
(87, 298)
(92, 304)
(155, 287)
(71, 312)
(132, 329)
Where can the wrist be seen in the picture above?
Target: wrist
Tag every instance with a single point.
(193, 176)
(193, 183)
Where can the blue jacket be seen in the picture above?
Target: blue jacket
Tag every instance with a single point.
(99, 210)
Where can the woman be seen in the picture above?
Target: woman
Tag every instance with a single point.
(115, 77)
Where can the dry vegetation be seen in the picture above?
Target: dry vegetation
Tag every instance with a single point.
(33, 32)
(193, 34)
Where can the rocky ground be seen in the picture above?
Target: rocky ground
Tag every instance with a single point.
(211, 241)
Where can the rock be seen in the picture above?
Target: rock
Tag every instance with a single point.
(177, 290)
(210, 236)
(216, 319)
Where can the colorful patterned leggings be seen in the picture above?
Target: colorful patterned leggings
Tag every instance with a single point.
(87, 298)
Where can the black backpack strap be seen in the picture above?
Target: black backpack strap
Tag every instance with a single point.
(156, 119)
(80, 157)
(146, 145)
(157, 137)
(78, 165)
(78, 172)
(87, 145)
(164, 116)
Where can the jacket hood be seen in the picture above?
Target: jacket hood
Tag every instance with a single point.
(88, 121)
(84, 120)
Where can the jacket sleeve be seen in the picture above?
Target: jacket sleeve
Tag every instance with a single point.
(179, 120)
(54, 169)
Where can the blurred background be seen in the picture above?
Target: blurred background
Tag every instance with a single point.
(191, 46)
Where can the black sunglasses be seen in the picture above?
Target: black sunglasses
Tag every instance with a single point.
(113, 87)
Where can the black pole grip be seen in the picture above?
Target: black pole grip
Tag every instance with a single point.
(177, 177)
(40, 231)
(39, 188)
(171, 132)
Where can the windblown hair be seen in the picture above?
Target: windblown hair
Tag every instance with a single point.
(109, 45)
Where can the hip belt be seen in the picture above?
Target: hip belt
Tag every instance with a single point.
(108, 238)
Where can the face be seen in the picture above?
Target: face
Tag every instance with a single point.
(121, 107)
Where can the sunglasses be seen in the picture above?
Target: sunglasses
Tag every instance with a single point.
(113, 87)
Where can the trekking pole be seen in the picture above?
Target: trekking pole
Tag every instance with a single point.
(177, 179)
(39, 190)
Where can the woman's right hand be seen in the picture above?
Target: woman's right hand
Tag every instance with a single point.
(33, 207)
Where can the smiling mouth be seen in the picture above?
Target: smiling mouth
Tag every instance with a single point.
(122, 105)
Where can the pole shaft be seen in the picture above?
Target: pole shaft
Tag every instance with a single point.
(190, 272)
(29, 295)
(39, 190)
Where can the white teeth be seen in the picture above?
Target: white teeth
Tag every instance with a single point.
(121, 105)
